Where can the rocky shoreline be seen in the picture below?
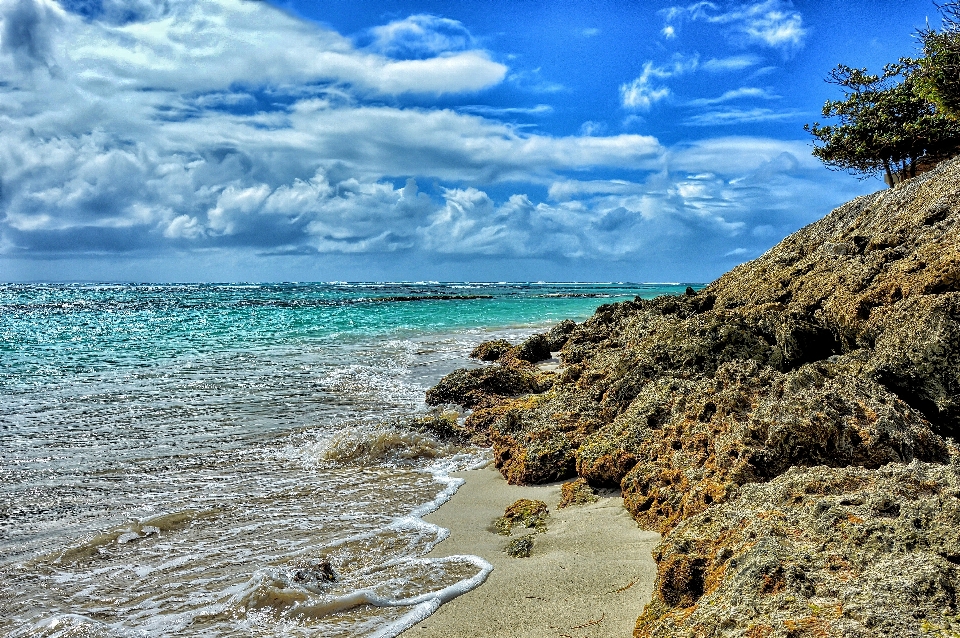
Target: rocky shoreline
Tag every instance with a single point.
(788, 429)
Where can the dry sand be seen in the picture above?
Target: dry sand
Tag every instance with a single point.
(590, 573)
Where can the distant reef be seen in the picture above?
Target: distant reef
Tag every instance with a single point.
(789, 429)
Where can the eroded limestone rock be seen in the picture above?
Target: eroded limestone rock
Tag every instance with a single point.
(816, 552)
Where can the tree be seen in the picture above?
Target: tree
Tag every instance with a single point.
(939, 69)
(886, 125)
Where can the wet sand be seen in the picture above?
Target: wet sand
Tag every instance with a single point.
(589, 575)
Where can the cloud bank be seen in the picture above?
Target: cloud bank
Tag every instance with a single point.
(161, 128)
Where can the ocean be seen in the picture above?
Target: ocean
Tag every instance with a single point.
(205, 460)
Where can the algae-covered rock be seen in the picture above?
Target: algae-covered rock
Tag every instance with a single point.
(751, 423)
(535, 348)
(526, 513)
(520, 547)
(491, 350)
(443, 425)
(470, 388)
(816, 552)
(880, 273)
(535, 438)
(577, 492)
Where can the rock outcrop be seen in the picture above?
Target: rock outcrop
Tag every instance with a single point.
(807, 397)
(817, 552)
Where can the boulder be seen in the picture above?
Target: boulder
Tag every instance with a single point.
(491, 350)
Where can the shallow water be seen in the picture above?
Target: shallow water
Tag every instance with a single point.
(182, 458)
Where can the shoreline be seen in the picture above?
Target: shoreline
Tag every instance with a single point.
(577, 582)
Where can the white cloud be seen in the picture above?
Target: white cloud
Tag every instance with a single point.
(732, 115)
(771, 23)
(645, 91)
(183, 226)
(498, 111)
(745, 92)
(565, 190)
(590, 32)
(730, 156)
(218, 44)
(591, 128)
(420, 36)
(731, 63)
(533, 80)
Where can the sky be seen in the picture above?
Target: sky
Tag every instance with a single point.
(404, 140)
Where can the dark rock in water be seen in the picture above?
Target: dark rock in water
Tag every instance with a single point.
(491, 350)
(520, 547)
(733, 417)
(536, 348)
(577, 492)
(315, 573)
(817, 552)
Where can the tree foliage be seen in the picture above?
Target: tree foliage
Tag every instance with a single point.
(885, 124)
(903, 120)
(939, 69)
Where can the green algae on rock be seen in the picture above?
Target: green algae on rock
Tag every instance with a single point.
(472, 388)
(526, 513)
(577, 492)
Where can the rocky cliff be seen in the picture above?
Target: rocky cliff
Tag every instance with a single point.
(789, 428)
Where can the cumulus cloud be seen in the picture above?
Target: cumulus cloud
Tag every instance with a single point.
(188, 46)
(149, 138)
(770, 23)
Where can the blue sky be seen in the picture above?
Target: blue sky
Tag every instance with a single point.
(232, 140)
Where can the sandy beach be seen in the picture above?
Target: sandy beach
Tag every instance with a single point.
(589, 575)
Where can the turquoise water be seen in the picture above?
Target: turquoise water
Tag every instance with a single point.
(179, 458)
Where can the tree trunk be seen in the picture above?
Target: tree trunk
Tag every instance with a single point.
(889, 180)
